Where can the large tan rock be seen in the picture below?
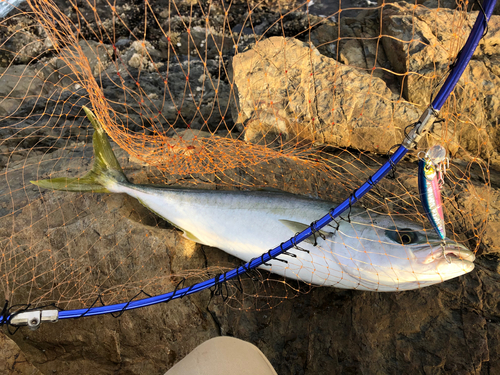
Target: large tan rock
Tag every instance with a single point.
(289, 92)
(421, 44)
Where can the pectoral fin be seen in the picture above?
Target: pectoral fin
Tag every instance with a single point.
(191, 236)
(297, 227)
(185, 233)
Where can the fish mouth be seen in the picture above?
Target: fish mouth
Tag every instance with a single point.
(451, 259)
(456, 252)
(452, 252)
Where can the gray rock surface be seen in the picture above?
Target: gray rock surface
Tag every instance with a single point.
(20, 85)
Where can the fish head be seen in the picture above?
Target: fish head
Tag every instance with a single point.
(447, 258)
(397, 254)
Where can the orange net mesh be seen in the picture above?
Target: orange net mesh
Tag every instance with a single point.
(304, 98)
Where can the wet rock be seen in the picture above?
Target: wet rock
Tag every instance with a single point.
(98, 56)
(197, 100)
(22, 39)
(202, 42)
(22, 47)
(20, 85)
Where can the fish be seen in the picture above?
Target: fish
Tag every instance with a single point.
(8, 6)
(367, 251)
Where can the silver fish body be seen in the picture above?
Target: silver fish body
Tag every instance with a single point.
(362, 254)
(372, 251)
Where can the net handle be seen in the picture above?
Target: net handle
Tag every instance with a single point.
(465, 54)
(409, 142)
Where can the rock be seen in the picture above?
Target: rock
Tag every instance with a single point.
(202, 42)
(20, 85)
(22, 40)
(423, 43)
(14, 361)
(21, 48)
(103, 345)
(98, 56)
(196, 100)
(4, 155)
(450, 4)
(141, 55)
(354, 41)
(392, 333)
(289, 92)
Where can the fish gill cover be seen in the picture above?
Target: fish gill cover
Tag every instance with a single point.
(241, 95)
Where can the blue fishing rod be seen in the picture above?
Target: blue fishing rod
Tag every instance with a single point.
(33, 318)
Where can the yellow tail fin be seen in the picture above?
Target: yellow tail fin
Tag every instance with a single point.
(105, 170)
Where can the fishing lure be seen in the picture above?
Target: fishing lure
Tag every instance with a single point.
(431, 170)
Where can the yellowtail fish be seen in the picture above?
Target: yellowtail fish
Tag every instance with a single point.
(372, 251)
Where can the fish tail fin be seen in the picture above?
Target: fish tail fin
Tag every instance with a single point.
(105, 173)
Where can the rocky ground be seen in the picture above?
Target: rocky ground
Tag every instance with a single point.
(452, 327)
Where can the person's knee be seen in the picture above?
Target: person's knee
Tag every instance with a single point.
(224, 355)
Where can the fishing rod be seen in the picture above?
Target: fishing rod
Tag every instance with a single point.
(33, 318)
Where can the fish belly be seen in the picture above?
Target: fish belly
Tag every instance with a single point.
(247, 224)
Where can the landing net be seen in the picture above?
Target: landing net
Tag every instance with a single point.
(214, 95)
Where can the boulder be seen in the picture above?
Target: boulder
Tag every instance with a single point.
(288, 92)
(423, 44)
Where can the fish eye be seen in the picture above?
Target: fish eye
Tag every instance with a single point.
(404, 236)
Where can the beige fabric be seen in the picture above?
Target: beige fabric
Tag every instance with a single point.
(224, 356)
